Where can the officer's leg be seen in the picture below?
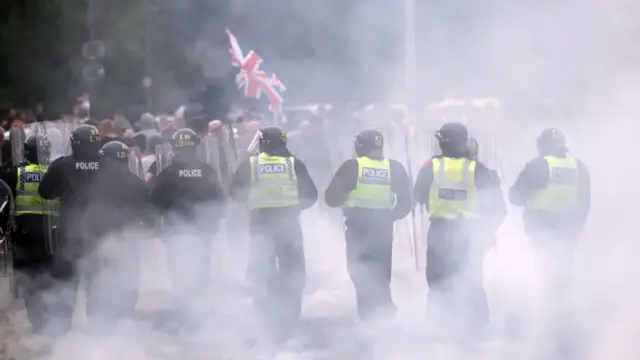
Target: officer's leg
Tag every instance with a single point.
(380, 262)
(474, 307)
(440, 273)
(62, 295)
(262, 270)
(289, 248)
(360, 263)
(184, 258)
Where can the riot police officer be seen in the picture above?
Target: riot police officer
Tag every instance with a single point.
(555, 191)
(374, 192)
(277, 186)
(463, 200)
(31, 235)
(189, 196)
(121, 201)
(69, 179)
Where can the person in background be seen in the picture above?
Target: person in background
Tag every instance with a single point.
(107, 131)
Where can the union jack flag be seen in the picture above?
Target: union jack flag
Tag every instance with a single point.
(252, 78)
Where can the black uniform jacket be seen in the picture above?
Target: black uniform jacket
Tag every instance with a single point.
(188, 192)
(71, 181)
(346, 179)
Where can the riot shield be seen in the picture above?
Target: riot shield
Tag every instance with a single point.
(54, 144)
(7, 210)
(17, 136)
(222, 153)
(135, 162)
(163, 157)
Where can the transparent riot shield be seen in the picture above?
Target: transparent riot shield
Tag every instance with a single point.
(223, 153)
(163, 157)
(17, 137)
(53, 143)
(7, 210)
(135, 162)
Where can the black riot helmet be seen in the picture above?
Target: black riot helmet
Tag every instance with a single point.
(552, 142)
(36, 146)
(115, 151)
(185, 142)
(370, 143)
(273, 140)
(85, 142)
(474, 148)
(452, 138)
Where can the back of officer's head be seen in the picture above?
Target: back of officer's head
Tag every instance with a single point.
(85, 143)
(551, 142)
(37, 149)
(184, 144)
(474, 148)
(369, 143)
(273, 141)
(114, 153)
(452, 138)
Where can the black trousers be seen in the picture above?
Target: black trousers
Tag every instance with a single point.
(47, 282)
(277, 270)
(188, 265)
(369, 261)
(112, 279)
(457, 300)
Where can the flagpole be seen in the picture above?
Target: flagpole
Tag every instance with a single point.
(410, 61)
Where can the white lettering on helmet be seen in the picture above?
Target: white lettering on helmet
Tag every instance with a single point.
(190, 173)
(87, 166)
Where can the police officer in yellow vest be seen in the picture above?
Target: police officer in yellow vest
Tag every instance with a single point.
(555, 191)
(32, 243)
(373, 191)
(463, 200)
(277, 186)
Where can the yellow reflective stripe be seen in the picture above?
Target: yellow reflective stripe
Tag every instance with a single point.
(561, 193)
(453, 192)
(278, 189)
(372, 192)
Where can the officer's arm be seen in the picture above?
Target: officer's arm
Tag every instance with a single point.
(401, 186)
(584, 190)
(241, 182)
(491, 204)
(342, 183)
(533, 177)
(307, 191)
(51, 186)
(161, 192)
(423, 183)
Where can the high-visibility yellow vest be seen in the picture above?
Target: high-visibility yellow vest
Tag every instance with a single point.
(453, 191)
(273, 182)
(561, 192)
(28, 201)
(373, 189)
